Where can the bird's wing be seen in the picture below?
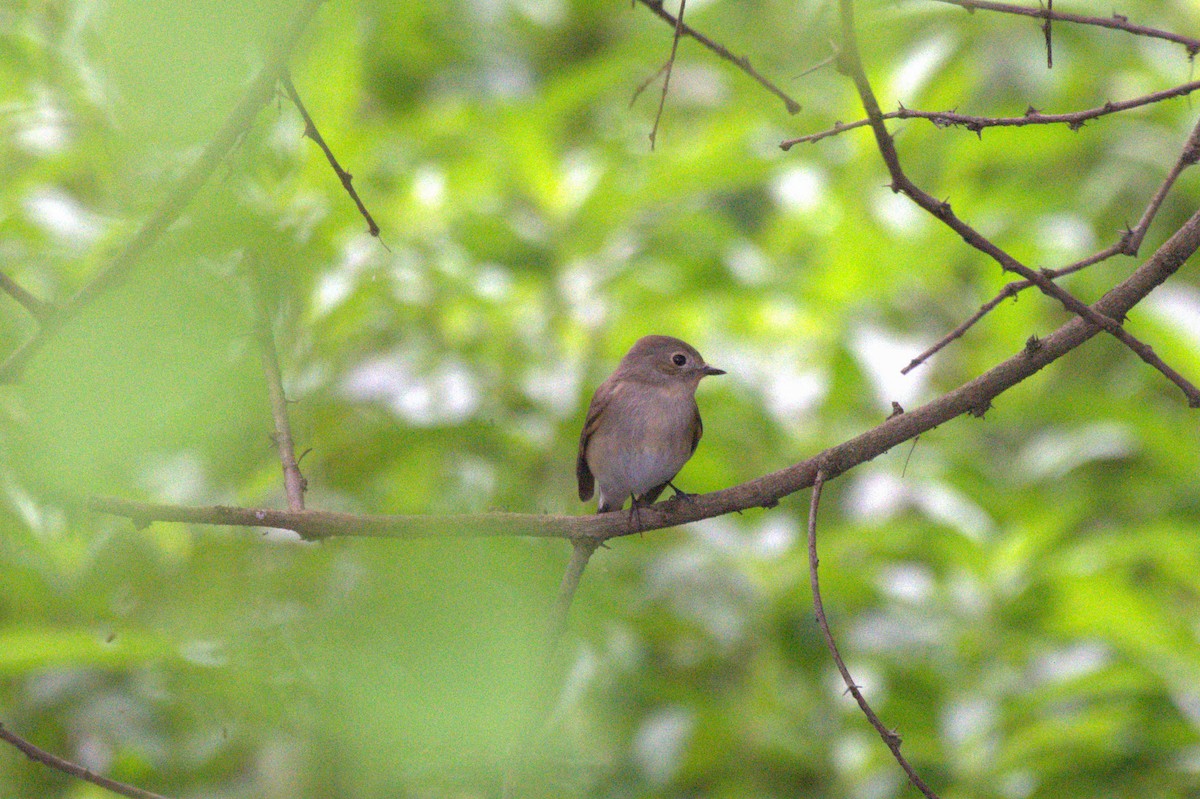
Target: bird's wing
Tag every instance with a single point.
(697, 431)
(583, 472)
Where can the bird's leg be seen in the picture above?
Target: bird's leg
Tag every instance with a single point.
(679, 493)
(634, 514)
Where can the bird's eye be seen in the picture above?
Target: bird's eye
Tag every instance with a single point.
(679, 359)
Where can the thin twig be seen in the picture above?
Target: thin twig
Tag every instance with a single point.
(851, 63)
(257, 95)
(293, 481)
(1115, 22)
(763, 492)
(310, 130)
(581, 552)
(741, 62)
(36, 308)
(39, 755)
(889, 736)
(669, 67)
(1046, 32)
(1129, 244)
(944, 119)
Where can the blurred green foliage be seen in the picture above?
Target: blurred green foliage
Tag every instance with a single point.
(1018, 595)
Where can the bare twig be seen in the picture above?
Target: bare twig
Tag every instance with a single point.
(764, 492)
(851, 63)
(1046, 31)
(310, 130)
(40, 755)
(36, 308)
(1129, 244)
(258, 94)
(889, 736)
(581, 553)
(1074, 119)
(741, 62)
(668, 68)
(293, 481)
(1115, 22)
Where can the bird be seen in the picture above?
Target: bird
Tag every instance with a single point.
(642, 425)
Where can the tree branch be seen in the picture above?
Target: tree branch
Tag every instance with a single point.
(581, 553)
(851, 64)
(668, 68)
(293, 481)
(741, 62)
(259, 92)
(945, 119)
(974, 397)
(36, 308)
(889, 736)
(1129, 244)
(310, 130)
(1115, 22)
(40, 755)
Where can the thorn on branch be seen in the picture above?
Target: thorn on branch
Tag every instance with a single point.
(1031, 111)
(1075, 124)
(1032, 344)
(896, 410)
(770, 503)
(979, 411)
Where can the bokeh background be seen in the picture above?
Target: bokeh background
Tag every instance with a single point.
(1018, 595)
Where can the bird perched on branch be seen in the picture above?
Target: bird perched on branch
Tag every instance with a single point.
(642, 424)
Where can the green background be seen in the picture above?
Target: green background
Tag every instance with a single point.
(1018, 595)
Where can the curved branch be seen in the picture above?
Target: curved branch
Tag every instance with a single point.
(1129, 244)
(974, 397)
(889, 736)
(39, 755)
(851, 64)
(257, 95)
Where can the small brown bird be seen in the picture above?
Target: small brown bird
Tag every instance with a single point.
(642, 424)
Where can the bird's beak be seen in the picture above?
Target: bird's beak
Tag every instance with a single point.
(712, 370)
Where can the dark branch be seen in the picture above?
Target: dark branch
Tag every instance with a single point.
(40, 755)
(667, 69)
(310, 130)
(975, 124)
(1115, 22)
(851, 64)
(1129, 244)
(763, 492)
(257, 95)
(741, 62)
(889, 737)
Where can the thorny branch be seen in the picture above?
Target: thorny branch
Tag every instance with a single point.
(974, 398)
(976, 124)
(310, 130)
(889, 736)
(1129, 244)
(851, 64)
(293, 481)
(1115, 22)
